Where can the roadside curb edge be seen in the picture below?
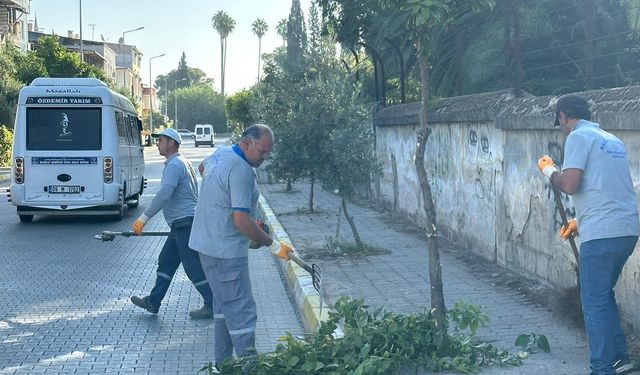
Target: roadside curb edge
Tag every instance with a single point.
(299, 282)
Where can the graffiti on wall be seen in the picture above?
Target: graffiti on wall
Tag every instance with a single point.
(440, 158)
(479, 158)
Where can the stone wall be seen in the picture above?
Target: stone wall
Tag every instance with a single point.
(489, 195)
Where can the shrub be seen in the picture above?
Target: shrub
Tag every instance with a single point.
(378, 343)
(6, 140)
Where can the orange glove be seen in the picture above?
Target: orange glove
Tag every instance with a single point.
(280, 249)
(139, 224)
(547, 166)
(571, 229)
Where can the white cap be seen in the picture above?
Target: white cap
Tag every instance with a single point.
(171, 133)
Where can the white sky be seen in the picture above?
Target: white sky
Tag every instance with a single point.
(172, 27)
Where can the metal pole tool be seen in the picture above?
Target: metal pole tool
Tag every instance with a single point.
(313, 269)
(110, 236)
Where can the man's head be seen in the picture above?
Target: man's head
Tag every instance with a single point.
(168, 142)
(569, 109)
(256, 142)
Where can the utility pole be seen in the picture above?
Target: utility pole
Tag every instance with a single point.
(93, 30)
(81, 45)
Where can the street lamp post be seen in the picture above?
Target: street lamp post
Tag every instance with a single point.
(151, 92)
(166, 98)
(81, 45)
(121, 41)
(175, 102)
(123, 62)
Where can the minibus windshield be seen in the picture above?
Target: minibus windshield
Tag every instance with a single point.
(64, 128)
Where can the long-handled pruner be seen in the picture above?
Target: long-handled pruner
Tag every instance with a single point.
(110, 236)
(563, 217)
(313, 269)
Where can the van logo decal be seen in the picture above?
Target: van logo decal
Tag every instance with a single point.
(65, 124)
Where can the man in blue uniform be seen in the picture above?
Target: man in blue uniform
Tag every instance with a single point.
(223, 226)
(595, 172)
(177, 199)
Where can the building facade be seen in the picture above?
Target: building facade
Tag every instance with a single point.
(128, 62)
(13, 22)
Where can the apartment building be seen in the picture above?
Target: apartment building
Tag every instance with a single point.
(13, 22)
(128, 61)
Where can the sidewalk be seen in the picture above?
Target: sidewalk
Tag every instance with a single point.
(399, 281)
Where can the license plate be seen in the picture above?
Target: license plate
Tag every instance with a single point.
(64, 189)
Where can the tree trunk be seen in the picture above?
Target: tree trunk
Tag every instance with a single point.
(259, 55)
(222, 64)
(588, 44)
(435, 270)
(352, 224)
(313, 183)
(402, 74)
(517, 55)
(289, 186)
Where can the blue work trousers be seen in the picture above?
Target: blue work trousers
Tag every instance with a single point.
(601, 262)
(234, 309)
(176, 250)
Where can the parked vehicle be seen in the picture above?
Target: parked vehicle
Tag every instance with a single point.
(204, 135)
(186, 133)
(76, 150)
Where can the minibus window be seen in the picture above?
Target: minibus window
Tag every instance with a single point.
(122, 133)
(127, 129)
(135, 134)
(64, 128)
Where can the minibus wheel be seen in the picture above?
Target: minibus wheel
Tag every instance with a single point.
(25, 218)
(134, 201)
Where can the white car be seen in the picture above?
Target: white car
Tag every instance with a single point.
(186, 133)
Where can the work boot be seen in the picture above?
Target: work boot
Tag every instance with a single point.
(145, 304)
(204, 312)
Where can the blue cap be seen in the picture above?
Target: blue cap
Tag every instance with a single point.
(171, 133)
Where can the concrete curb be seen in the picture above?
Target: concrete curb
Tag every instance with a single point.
(299, 282)
(4, 177)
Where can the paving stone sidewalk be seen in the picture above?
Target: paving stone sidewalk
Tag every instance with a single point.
(399, 281)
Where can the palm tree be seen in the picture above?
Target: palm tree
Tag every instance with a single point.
(259, 27)
(281, 29)
(224, 25)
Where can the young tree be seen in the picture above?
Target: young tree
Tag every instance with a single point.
(158, 120)
(9, 85)
(348, 160)
(424, 19)
(259, 27)
(238, 109)
(224, 25)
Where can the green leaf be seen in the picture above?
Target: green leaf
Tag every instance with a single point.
(293, 361)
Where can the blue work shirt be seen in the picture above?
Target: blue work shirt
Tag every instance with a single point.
(228, 185)
(605, 202)
(178, 192)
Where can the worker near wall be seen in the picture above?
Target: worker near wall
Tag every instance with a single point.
(595, 172)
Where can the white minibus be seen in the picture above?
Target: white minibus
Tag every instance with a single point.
(76, 150)
(204, 135)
